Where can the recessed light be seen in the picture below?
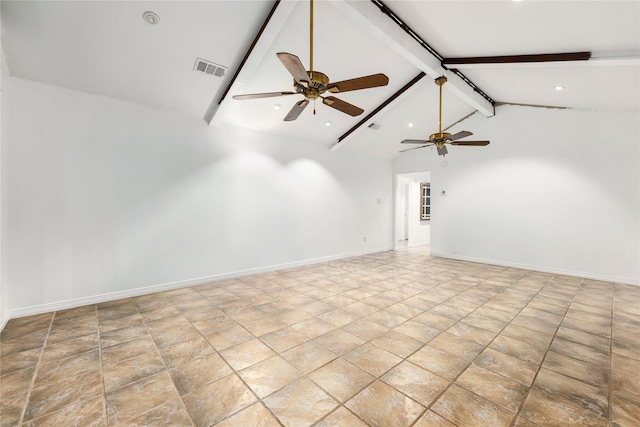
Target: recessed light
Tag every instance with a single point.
(277, 106)
(151, 17)
(558, 88)
(327, 123)
(410, 125)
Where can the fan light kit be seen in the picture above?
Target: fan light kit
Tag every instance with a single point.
(313, 84)
(441, 138)
(327, 124)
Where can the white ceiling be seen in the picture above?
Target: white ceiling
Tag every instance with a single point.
(106, 48)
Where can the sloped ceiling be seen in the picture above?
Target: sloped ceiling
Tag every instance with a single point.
(106, 48)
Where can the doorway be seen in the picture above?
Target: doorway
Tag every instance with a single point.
(410, 229)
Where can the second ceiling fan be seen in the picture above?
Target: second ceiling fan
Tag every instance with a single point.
(313, 84)
(441, 138)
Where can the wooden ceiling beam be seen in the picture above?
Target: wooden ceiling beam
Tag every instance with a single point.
(517, 59)
(398, 37)
(272, 25)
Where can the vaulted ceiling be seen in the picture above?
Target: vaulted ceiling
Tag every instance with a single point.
(107, 48)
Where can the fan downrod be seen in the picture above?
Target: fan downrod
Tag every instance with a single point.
(440, 138)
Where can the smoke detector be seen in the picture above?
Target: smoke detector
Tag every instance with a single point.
(208, 67)
(151, 17)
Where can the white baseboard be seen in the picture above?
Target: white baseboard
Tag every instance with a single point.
(4, 318)
(582, 274)
(129, 293)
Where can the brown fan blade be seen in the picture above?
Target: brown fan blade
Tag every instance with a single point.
(293, 64)
(366, 82)
(474, 143)
(296, 110)
(459, 135)
(343, 106)
(414, 141)
(262, 95)
(415, 148)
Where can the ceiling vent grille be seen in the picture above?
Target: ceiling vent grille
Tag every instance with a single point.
(208, 67)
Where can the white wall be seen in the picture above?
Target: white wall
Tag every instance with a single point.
(557, 191)
(402, 208)
(109, 199)
(4, 139)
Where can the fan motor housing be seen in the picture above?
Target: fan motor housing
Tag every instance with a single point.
(440, 137)
(319, 80)
(317, 85)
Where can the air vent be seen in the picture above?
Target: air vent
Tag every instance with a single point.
(208, 67)
(374, 126)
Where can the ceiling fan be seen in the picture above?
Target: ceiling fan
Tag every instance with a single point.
(313, 84)
(441, 138)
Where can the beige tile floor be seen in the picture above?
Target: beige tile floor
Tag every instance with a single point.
(391, 339)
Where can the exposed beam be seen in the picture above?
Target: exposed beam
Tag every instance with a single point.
(510, 59)
(257, 50)
(388, 103)
(597, 59)
(397, 38)
(615, 57)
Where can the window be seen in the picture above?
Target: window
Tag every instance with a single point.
(425, 201)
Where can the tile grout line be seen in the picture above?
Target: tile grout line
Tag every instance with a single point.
(35, 371)
(516, 414)
(105, 412)
(66, 358)
(104, 388)
(610, 382)
(405, 359)
(533, 381)
(144, 322)
(469, 363)
(451, 382)
(370, 341)
(233, 371)
(121, 361)
(306, 375)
